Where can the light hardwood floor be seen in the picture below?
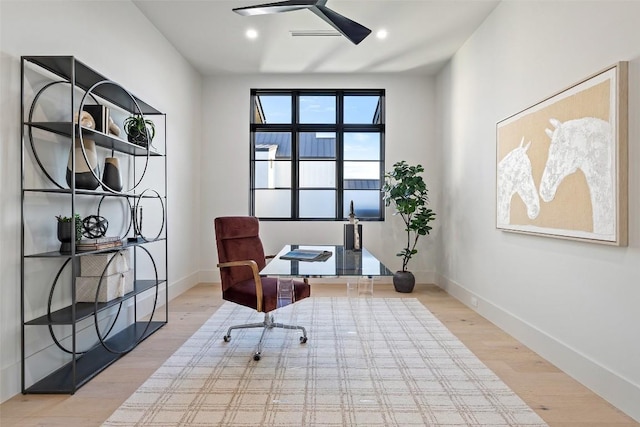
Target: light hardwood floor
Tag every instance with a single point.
(556, 397)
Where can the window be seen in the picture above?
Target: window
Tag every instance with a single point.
(315, 151)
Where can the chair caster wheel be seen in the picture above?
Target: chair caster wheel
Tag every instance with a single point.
(226, 338)
(303, 340)
(256, 357)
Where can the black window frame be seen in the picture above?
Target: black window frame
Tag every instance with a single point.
(295, 128)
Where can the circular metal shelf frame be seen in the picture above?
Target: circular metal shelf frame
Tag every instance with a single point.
(50, 325)
(80, 137)
(138, 227)
(153, 310)
(123, 236)
(34, 103)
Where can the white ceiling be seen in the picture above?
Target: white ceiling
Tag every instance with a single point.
(423, 35)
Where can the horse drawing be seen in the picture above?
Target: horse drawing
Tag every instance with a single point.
(584, 144)
(514, 176)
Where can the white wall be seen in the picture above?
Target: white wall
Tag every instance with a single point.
(225, 171)
(574, 303)
(115, 39)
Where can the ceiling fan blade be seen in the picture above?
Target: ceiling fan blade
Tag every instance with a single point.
(278, 7)
(348, 28)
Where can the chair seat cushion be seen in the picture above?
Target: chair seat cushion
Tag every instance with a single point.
(244, 293)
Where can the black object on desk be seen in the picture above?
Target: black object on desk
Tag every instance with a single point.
(307, 255)
(353, 237)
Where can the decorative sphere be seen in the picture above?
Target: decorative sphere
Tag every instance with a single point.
(94, 226)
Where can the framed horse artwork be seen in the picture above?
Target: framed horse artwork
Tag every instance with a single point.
(561, 164)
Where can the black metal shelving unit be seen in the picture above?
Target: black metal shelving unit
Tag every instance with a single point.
(66, 376)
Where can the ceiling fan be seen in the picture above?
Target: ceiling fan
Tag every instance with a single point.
(348, 28)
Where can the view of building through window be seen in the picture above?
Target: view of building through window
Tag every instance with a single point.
(313, 152)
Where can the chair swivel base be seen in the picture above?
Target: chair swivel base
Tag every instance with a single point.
(266, 324)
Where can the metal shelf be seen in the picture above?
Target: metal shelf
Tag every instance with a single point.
(85, 78)
(84, 310)
(101, 139)
(88, 193)
(92, 362)
(86, 364)
(125, 245)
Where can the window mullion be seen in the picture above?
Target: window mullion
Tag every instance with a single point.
(340, 155)
(295, 159)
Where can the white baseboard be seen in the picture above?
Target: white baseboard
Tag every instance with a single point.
(209, 276)
(615, 389)
(9, 381)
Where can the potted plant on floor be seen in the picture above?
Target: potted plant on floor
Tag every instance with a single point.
(405, 189)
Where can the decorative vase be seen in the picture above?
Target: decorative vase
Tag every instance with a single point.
(111, 179)
(66, 232)
(85, 179)
(404, 281)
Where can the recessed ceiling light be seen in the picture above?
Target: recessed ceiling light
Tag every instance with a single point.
(382, 34)
(251, 34)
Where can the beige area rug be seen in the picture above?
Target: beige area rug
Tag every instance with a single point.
(368, 362)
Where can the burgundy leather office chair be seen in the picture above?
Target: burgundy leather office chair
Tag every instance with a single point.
(241, 257)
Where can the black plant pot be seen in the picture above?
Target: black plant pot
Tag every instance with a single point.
(404, 281)
(66, 232)
(138, 138)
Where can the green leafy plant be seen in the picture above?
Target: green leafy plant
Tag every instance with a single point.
(139, 130)
(78, 224)
(405, 189)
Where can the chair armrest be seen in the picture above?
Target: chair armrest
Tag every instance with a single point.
(256, 277)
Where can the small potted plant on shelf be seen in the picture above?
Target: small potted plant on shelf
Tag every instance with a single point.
(67, 229)
(405, 189)
(140, 131)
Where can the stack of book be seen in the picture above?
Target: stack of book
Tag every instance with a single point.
(99, 243)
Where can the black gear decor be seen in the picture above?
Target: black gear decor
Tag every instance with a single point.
(94, 226)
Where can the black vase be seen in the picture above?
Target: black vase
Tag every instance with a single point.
(404, 281)
(66, 232)
(111, 178)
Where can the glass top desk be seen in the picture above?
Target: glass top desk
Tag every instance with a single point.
(341, 263)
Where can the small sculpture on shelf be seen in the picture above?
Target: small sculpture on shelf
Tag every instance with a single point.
(94, 226)
(113, 127)
(86, 168)
(136, 218)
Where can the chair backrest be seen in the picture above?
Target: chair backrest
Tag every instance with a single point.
(238, 239)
